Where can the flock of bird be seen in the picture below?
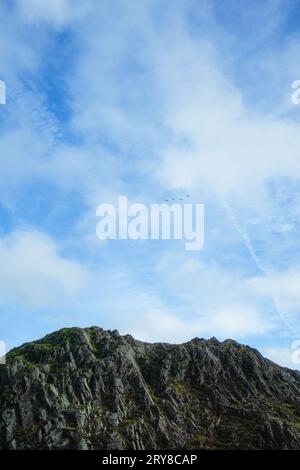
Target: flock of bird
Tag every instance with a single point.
(174, 198)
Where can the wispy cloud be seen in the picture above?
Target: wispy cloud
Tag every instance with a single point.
(34, 275)
(131, 97)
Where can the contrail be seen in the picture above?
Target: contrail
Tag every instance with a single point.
(246, 239)
(251, 250)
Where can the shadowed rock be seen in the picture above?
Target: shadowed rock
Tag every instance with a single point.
(94, 389)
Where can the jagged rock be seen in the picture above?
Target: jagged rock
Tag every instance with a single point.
(95, 389)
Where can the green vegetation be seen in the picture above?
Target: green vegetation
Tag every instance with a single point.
(30, 354)
(285, 413)
(6, 393)
(201, 441)
(62, 336)
(125, 424)
(69, 428)
(39, 352)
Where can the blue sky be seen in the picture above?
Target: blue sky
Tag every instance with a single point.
(151, 99)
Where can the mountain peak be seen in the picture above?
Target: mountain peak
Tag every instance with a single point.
(89, 388)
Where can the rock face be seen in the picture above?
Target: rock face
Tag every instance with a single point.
(94, 389)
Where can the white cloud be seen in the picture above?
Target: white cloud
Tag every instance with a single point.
(34, 274)
(280, 355)
(284, 289)
(230, 147)
(18, 57)
(56, 12)
(161, 325)
(239, 323)
(284, 286)
(207, 301)
(158, 325)
(166, 105)
(216, 140)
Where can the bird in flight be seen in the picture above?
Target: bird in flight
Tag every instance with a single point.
(173, 198)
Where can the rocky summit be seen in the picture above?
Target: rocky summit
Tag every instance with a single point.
(95, 389)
